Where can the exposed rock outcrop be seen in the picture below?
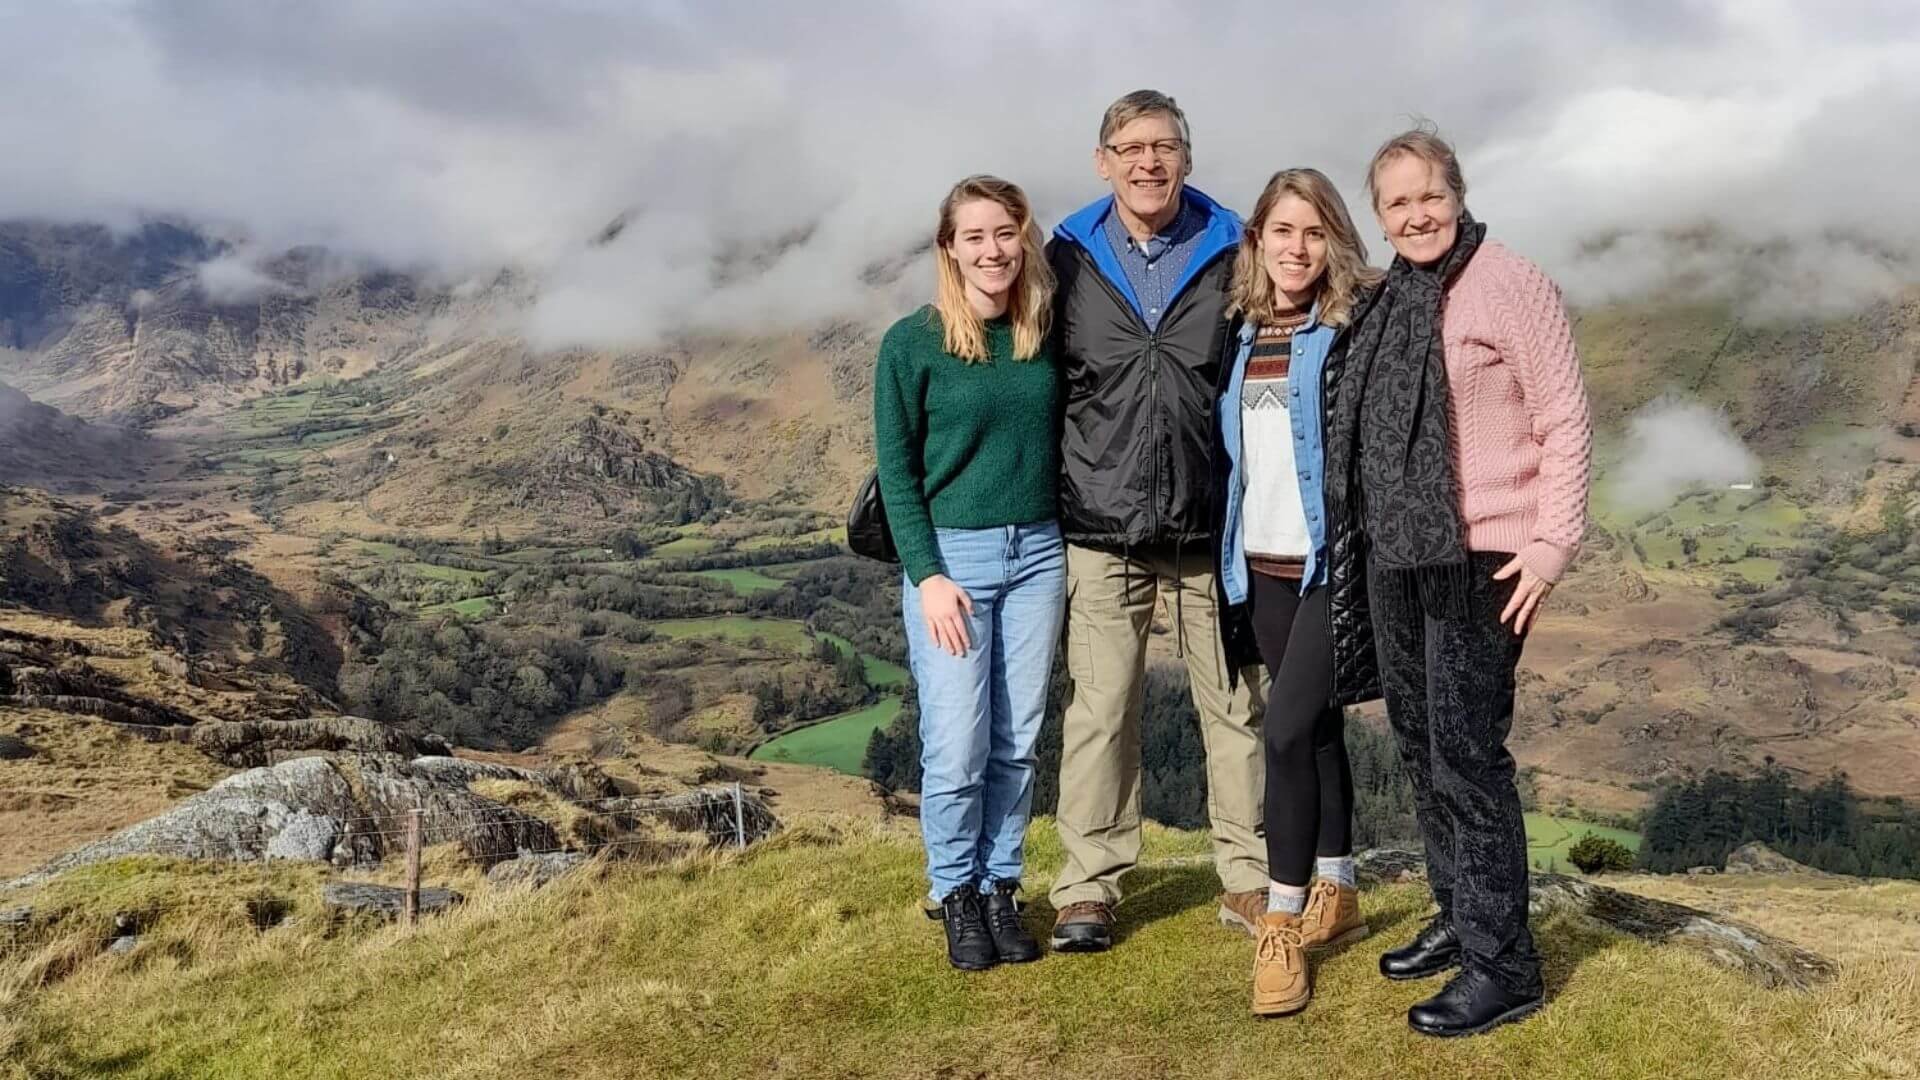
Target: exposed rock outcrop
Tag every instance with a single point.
(343, 900)
(535, 869)
(601, 467)
(355, 809)
(1758, 858)
(1767, 960)
(245, 744)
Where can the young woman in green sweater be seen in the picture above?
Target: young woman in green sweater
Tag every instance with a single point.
(965, 406)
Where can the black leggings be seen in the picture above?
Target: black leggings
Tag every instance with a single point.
(1309, 801)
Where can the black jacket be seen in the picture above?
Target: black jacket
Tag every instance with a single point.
(1356, 667)
(1138, 404)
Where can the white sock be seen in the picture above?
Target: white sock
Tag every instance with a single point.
(1291, 903)
(1337, 869)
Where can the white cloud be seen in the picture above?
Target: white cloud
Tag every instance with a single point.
(230, 279)
(1674, 445)
(1603, 141)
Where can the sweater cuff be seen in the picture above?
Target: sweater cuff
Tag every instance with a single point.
(1547, 561)
(920, 569)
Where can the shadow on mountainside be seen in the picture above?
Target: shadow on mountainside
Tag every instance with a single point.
(60, 559)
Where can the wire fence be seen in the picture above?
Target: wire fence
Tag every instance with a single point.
(494, 832)
(730, 798)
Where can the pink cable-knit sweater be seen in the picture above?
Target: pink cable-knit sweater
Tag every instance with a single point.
(1522, 430)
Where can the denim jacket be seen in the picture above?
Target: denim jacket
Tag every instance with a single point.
(1311, 344)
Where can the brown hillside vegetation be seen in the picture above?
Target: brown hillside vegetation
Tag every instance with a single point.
(426, 413)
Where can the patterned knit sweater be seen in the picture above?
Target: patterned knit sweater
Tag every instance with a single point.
(1522, 429)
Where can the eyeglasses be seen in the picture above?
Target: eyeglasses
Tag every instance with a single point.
(1164, 149)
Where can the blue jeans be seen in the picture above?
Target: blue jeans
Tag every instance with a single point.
(980, 713)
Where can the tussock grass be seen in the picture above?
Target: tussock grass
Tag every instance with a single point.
(808, 957)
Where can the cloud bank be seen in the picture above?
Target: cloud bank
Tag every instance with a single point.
(1675, 445)
(767, 158)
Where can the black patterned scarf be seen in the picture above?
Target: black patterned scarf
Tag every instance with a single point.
(1390, 453)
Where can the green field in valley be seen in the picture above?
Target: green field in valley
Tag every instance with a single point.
(777, 633)
(1721, 524)
(478, 607)
(838, 743)
(883, 674)
(1549, 839)
(684, 546)
(837, 535)
(455, 574)
(744, 580)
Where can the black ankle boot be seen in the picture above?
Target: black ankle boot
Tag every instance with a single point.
(1470, 1003)
(1432, 951)
(969, 945)
(1010, 938)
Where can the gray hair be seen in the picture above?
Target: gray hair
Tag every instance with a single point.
(1138, 104)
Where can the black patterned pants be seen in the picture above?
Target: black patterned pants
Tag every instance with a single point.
(1449, 687)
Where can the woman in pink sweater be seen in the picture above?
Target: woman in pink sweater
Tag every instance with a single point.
(1460, 442)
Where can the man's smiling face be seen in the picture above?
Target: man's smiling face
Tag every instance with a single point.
(1148, 187)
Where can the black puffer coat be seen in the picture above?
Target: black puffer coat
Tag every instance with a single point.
(1356, 666)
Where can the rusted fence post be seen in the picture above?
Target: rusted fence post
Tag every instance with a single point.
(413, 866)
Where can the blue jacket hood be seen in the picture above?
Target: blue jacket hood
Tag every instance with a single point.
(1222, 232)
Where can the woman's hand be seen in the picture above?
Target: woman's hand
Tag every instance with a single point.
(1527, 596)
(946, 607)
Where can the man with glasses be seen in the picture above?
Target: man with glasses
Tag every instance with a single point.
(1140, 309)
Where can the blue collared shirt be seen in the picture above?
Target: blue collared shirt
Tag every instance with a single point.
(1152, 268)
(1311, 345)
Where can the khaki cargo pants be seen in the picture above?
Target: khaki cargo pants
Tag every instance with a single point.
(1110, 603)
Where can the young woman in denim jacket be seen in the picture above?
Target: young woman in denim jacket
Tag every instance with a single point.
(1300, 269)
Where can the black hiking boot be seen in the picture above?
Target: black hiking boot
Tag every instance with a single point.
(1010, 938)
(1470, 1003)
(1433, 950)
(969, 945)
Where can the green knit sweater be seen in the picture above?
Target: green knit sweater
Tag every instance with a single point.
(961, 446)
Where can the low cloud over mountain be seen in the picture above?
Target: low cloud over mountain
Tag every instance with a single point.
(768, 159)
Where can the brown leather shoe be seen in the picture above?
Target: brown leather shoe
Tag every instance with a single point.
(1281, 983)
(1242, 910)
(1332, 916)
(1086, 926)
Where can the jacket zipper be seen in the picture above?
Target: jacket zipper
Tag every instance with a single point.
(1153, 367)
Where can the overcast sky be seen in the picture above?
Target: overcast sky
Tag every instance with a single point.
(459, 137)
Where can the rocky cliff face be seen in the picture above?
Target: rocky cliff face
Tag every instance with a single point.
(123, 326)
(601, 469)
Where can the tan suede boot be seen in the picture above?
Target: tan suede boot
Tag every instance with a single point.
(1332, 916)
(1281, 983)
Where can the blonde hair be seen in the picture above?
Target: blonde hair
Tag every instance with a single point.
(1029, 301)
(1423, 141)
(1347, 271)
(1138, 104)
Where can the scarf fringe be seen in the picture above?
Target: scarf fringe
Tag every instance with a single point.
(1443, 590)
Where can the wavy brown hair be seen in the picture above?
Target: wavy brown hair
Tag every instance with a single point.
(1029, 301)
(1347, 271)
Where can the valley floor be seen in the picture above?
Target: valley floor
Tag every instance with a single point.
(807, 957)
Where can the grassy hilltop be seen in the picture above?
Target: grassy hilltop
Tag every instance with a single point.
(807, 957)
